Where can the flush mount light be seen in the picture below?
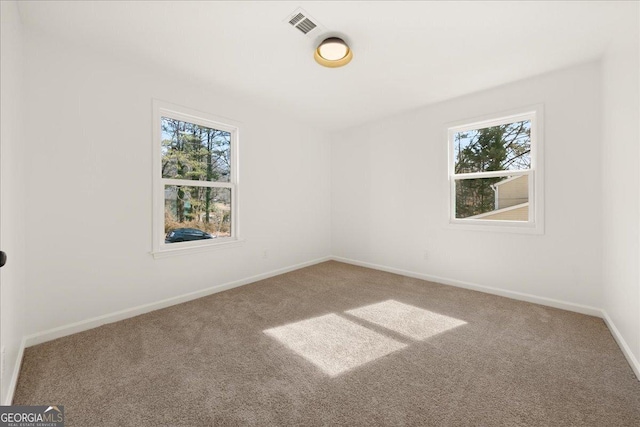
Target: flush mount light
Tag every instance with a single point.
(333, 52)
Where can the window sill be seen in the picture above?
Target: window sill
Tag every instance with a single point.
(185, 250)
(502, 227)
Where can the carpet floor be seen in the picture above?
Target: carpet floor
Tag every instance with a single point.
(335, 344)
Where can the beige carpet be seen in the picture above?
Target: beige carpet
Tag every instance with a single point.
(335, 344)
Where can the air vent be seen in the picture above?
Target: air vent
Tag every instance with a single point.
(299, 17)
(303, 22)
(306, 25)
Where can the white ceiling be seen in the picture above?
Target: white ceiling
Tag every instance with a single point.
(406, 54)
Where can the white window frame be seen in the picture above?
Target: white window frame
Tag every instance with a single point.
(160, 248)
(535, 223)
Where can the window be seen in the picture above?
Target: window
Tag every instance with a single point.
(495, 174)
(195, 180)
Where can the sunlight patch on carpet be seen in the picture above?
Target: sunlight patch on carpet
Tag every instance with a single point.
(333, 343)
(405, 319)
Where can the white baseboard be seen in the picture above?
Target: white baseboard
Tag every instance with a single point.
(94, 322)
(8, 400)
(578, 308)
(633, 362)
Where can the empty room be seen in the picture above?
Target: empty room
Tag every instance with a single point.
(354, 213)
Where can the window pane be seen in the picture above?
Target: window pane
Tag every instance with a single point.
(496, 148)
(503, 198)
(195, 152)
(196, 213)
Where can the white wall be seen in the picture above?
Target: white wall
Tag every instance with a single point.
(620, 185)
(390, 194)
(12, 200)
(90, 181)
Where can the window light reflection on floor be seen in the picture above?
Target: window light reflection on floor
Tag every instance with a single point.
(333, 343)
(336, 344)
(405, 319)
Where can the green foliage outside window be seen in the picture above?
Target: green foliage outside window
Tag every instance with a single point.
(196, 153)
(496, 148)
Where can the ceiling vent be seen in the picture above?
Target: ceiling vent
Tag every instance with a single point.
(303, 22)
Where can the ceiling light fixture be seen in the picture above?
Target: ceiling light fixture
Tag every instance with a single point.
(333, 52)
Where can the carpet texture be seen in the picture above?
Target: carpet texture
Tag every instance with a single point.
(335, 344)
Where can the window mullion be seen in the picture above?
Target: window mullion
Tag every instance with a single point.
(491, 174)
(189, 183)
